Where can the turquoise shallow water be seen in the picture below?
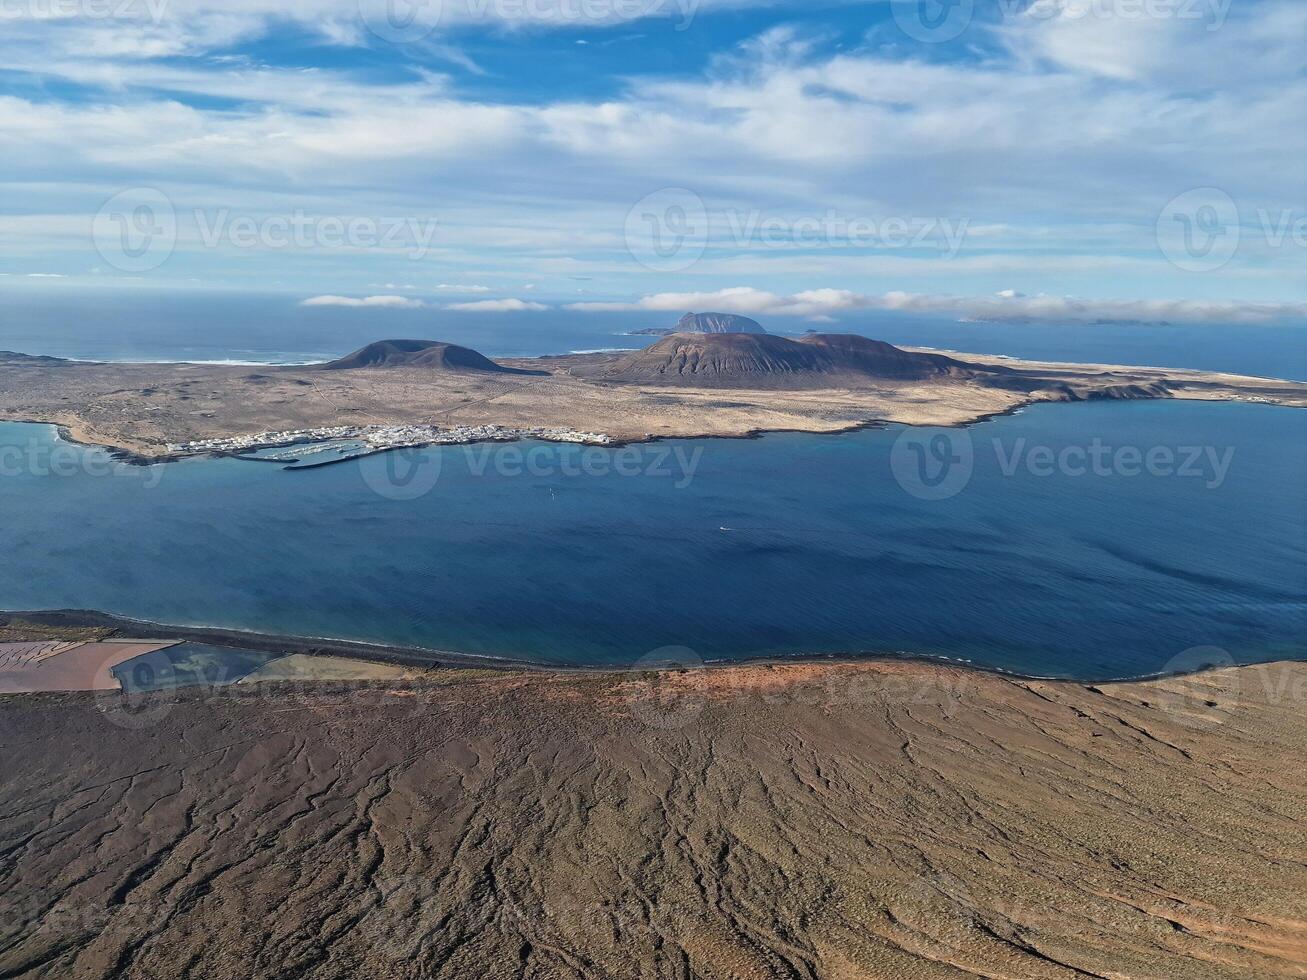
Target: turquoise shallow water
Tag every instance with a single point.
(1030, 560)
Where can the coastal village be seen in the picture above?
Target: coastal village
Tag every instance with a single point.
(352, 442)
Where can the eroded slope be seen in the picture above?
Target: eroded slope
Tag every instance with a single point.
(834, 821)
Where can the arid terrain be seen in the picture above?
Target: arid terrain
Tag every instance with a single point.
(881, 820)
(144, 408)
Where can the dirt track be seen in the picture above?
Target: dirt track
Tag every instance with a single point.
(879, 820)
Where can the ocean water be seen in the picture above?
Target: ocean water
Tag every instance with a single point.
(153, 325)
(1004, 544)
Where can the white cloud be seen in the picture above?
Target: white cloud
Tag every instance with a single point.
(1059, 149)
(448, 287)
(821, 303)
(498, 306)
(383, 302)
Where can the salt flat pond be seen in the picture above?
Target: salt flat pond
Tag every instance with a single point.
(1074, 540)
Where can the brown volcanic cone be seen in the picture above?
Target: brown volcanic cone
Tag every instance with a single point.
(726, 355)
(882, 360)
(430, 354)
(763, 360)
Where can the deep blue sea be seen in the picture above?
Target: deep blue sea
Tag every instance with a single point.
(1074, 540)
(119, 324)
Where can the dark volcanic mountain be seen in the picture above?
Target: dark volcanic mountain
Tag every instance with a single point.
(429, 354)
(879, 359)
(752, 359)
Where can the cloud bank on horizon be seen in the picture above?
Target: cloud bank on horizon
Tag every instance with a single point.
(1045, 159)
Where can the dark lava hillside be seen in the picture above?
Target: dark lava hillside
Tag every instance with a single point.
(818, 360)
(839, 821)
(431, 354)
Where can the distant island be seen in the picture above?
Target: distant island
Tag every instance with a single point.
(417, 392)
(704, 323)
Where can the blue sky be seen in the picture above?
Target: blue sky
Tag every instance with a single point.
(1056, 159)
